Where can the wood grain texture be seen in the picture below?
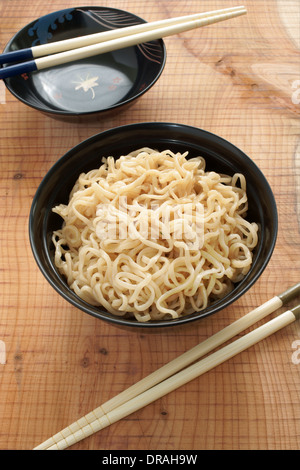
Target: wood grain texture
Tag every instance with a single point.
(237, 79)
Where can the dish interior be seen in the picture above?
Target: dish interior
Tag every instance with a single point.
(97, 83)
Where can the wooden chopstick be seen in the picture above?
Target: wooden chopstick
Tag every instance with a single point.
(181, 378)
(89, 39)
(118, 43)
(92, 420)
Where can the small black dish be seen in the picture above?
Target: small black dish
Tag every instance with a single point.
(92, 86)
(221, 156)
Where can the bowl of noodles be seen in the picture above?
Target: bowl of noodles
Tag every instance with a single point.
(153, 225)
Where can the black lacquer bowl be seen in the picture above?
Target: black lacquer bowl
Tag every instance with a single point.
(97, 85)
(221, 156)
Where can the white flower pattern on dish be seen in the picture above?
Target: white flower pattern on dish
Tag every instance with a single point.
(87, 84)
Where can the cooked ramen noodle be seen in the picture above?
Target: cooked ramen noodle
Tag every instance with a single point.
(153, 235)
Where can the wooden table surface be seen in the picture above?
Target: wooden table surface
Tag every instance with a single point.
(238, 79)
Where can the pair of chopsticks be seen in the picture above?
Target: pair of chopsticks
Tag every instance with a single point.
(62, 52)
(180, 370)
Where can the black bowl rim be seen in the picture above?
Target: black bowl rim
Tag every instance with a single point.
(121, 321)
(117, 105)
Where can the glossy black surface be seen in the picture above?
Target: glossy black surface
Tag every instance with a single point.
(221, 156)
(90, 86)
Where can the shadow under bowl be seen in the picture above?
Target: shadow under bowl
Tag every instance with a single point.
(220, 155)
(90, 87)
